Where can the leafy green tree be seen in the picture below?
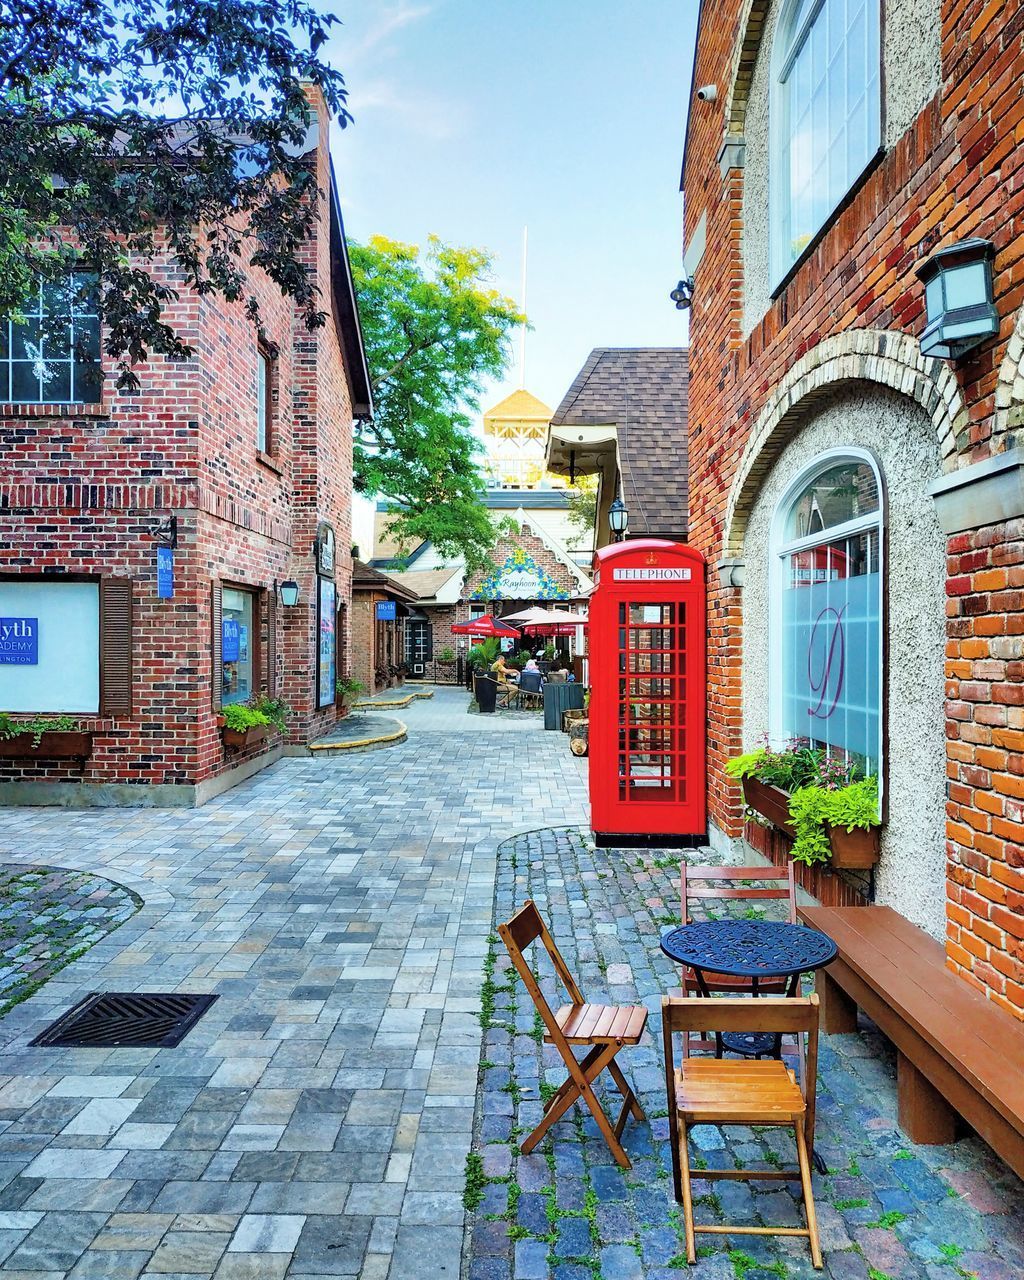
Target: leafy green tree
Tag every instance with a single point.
(134, 130)
(583, 507)
(434, 331)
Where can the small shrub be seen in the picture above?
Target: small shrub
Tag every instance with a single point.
(239, 717)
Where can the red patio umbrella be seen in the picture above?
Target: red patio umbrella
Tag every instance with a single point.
(488, 625)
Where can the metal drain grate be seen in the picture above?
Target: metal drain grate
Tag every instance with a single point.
(126, 1019)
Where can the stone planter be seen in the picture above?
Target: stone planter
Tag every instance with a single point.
(855, 850)
(56, 745)
(770, 802)
(242, 739)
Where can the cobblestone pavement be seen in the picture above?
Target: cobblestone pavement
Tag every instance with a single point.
(567, 1212)
(49, 917)
(316, 1120)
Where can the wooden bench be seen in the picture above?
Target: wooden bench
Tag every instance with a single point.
(957, 1053)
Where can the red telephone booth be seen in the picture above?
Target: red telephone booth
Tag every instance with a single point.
(647, 639)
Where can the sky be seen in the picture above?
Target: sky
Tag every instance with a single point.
(475, 118)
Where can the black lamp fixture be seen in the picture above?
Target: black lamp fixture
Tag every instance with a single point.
(958, 298)
(682, 294)
(618, 519)
(288, 592)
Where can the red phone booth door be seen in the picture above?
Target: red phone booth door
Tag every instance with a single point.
(647, 707)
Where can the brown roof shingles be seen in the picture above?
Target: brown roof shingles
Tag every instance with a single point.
(643, 392)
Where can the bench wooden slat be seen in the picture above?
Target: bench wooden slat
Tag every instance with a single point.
(906, 970)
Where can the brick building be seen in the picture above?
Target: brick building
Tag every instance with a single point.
(833, 149)
(246, 449)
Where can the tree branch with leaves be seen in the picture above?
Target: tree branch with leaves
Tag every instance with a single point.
(435, 331)
(137, 134)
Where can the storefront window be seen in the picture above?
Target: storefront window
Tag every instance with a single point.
(826, 627)
(236, 645)
(49, 646)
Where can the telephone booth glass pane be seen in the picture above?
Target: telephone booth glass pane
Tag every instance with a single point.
(651, 700)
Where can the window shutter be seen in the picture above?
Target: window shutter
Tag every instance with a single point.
(216, 662)
(116, 646)
(272, 644)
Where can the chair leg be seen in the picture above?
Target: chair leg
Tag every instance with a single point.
(629, 1097)
(805, 1182)
(684, 1170)
(603, 1123)
(568, 1093)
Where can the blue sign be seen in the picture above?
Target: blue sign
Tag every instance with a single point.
(19, 642)
(229, 640)
(164, 573)
(386, 611)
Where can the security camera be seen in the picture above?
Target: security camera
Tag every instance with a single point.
(707, 93)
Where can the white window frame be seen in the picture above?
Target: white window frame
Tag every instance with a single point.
(263, 379)
(782, 546)
(84, 374)
(788, 44)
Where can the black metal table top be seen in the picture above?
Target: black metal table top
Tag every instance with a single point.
(749, 948)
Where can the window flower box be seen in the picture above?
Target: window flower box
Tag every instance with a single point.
(51, 745)
(770, 802)
(856, 850)
(242, 739)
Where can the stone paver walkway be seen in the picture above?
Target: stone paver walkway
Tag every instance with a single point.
(888, 1209)
(317, 1119)
(49, 917)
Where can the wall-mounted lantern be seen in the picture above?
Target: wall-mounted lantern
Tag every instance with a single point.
(958, 297)
(618, 519)
(289, 593)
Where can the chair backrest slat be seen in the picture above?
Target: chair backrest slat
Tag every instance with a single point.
(700, 883)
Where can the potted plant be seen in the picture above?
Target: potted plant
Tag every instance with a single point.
(346, 693)
(815, 798)
(485, 687)
(44, 738)
(244, 726)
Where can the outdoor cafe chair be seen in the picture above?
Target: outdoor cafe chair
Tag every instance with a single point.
(728, 1091)
(531, 687)
(603, 1029)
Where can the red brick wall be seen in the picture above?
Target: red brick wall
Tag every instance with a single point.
(81, 491)
(957, 172)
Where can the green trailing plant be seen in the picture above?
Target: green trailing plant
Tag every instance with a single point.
(239, 717)
(446, 655)
(823, 791)
(276, 710)
(11, 728)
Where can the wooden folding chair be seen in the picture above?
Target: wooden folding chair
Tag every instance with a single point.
(604, 1028)
(740, 1092)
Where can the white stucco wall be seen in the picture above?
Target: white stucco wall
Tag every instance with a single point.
(911, 58)
(911, 875)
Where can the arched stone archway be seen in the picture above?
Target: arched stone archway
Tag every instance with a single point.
(1010, 391)
(858, 355)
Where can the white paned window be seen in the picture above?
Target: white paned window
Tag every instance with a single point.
(263, 383)
(44, 362)
(826, 115)
(826, 626)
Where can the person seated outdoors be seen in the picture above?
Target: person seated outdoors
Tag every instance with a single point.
(507, 678)
(531, 665)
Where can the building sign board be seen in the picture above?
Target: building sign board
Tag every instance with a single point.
(668, 573)
(19, 642)
(324, 547)
(387, 611)
(164, 573)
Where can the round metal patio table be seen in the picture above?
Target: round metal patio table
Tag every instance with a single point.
(754, 949)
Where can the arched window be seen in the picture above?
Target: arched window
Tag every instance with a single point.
(826, 624)
(826, 115)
